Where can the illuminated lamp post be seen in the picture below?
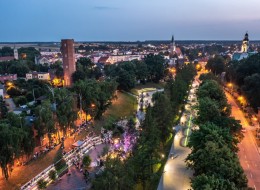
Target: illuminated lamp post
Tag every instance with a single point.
(230, 85)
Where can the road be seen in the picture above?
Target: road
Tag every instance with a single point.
(248, 154)
(176, 176)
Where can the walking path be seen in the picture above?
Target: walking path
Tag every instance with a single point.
(176, 175)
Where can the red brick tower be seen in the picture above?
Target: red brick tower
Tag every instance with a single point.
(68, 57)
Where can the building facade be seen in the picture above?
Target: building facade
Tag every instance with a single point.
(68, 57)
(37, 75)
(8, 77)
(245, 52)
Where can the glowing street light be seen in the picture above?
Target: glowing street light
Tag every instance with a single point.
(240, 98)
(230, 84)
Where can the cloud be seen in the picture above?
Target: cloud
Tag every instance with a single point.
(105, 8)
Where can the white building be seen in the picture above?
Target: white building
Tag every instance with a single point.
(37, 75)
(2, 90)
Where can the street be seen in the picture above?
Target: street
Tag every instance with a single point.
(248, 151)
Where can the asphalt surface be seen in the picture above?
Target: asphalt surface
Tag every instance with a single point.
(176, 175)
(248, 154)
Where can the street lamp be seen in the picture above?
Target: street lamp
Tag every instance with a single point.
(162, 155)
(230, 85)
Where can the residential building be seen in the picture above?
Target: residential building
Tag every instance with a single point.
(6, 58)
(38, 75)
(8, 77)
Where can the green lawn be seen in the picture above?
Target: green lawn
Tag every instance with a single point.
(124, 106)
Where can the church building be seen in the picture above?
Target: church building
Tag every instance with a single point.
(176, 56)
(245, 52)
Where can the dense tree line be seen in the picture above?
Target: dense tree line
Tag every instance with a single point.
(138, 168)
(16, 139)
(216, 64)
(6, 51)
(128, 73)
(246, 74)
(214, 145)
(86, 69)
(96, 96)
(28, 53)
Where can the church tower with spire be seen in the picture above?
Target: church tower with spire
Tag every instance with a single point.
(245, 44)
(173, 46)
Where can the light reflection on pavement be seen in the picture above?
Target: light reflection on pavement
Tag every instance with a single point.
(248, 152)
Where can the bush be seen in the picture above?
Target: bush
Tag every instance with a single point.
(14, 92)
(42, 184)
(52, 175)
(86, 161)
(21, 100)
(60, 164)
(29, 97)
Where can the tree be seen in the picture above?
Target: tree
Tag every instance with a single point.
(86, 161)
(208, 76)
(211, 182)
(78, 75)
(21, 100)
(3, 108)
(125, 80)
(11, 146)
(219, 161)
(44, 122)
(251, 88)
(6, 51)
(156, 67)
(216, 64)
(116, 176)
(65, 111)
(147, 154)
(210, 132)
(96, 96)
(141, 71)
(19, 68)
(162, 114)
(123, 73)
(213, 90)
(28, 53)
(52, 175)
(42, 184)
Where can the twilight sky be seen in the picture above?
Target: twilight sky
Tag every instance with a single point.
(128, 20)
